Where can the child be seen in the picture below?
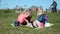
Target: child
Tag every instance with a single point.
(21, 19)
(40, 21)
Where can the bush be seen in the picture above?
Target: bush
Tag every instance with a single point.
(6, 11)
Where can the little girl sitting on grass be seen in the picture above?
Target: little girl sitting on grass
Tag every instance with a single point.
(21, 19)
(41, 20)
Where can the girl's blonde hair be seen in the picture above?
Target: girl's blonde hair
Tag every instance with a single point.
(40, 11)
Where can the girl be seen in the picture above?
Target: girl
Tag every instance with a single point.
(21, 19)
(40, 21)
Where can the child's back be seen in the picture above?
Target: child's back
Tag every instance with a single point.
(21, 18)
(41, 18)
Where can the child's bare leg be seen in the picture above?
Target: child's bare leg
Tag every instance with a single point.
(35, 23)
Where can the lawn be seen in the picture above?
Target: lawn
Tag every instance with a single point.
(7, 18)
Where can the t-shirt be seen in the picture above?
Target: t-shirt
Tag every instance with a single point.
(21, 18)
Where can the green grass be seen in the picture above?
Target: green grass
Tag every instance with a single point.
(7, 18)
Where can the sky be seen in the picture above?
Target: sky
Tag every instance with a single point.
(21, 3)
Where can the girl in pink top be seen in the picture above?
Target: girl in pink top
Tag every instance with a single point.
(21, 18)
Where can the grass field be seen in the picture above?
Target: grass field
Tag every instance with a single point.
(7, 18)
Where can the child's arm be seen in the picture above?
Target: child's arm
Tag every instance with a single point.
(27, 21)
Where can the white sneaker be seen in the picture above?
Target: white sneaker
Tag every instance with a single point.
(48, 25)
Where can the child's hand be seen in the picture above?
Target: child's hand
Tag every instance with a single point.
(20, 25)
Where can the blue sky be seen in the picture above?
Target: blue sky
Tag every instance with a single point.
(28, 3)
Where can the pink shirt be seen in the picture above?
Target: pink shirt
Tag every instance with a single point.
(21, 18)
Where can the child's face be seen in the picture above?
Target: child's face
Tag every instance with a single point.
(40, 11)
